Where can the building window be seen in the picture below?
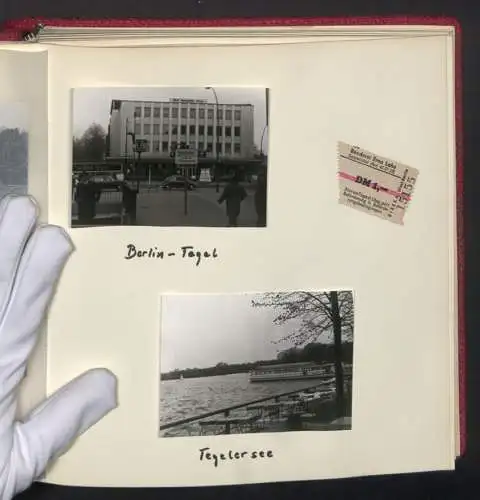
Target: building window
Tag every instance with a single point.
(237, 131)
(174, 130)
(219, 131)
(192, 129)
(201, 129)
(174, 112)
(165, 131)
(210, 130)
(166, 112)
(236, 148)
(183, 129)
(201, 113)
(228, 131)
(156, 146)
(219, 148)
(220, 114)
(209, 147)
(184, 112)
(228, 114)
(138, 112)
(238, 114)
(192, 145)
(156, 112)
(165, 146)
(137, 130)
(147, 147)
(228, 149)
(174, 145)
(146, 129)
(156, 129)
(147, 112)
(210, 114)
(193, 113)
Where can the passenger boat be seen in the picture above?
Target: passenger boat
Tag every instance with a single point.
(291, 371)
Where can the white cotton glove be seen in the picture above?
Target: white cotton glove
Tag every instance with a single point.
(31, 260)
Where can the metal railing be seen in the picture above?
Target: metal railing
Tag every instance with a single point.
(109, 202)
(226, 411)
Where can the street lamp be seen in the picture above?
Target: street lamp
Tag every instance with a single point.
(261, 140)
(216, 135)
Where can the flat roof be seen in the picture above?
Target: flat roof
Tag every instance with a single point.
(170, 101)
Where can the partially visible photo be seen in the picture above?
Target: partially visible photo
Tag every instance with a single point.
(13, 148)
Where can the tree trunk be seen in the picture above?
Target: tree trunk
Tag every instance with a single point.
(337, 336)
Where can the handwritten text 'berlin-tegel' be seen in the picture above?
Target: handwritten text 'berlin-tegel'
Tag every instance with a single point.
(187, 252)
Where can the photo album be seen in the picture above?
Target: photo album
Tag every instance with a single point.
(267, 221)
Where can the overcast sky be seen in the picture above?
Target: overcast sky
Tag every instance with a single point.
(202, 330)
(13, 115)
(93, 104)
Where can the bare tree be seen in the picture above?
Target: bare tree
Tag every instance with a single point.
(313, 315)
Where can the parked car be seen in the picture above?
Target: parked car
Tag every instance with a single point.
(178, 182)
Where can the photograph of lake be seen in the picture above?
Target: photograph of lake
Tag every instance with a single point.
(256, 362)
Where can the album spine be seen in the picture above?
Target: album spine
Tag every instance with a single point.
(33, 34)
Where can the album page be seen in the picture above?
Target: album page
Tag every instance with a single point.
(265, 257)
(24, 160)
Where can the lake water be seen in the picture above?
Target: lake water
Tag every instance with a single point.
(180, 399)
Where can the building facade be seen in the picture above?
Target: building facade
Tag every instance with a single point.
(226, 133)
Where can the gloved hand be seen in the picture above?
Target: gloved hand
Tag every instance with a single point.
(31, 260)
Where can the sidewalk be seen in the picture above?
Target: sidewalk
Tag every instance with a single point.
(166, 208)
(248, 214)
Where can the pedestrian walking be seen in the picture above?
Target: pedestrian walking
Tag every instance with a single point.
(233, 195)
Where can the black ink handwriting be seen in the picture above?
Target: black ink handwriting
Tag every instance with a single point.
(208, 456)
(187, 252)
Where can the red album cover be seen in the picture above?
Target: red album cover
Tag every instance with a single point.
(17, 30)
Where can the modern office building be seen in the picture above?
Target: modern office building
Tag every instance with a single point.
(219, 134)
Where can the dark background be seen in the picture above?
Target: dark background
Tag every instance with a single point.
(464, 483)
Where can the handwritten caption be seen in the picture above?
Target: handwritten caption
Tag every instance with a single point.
(206, 455)
(187, 252)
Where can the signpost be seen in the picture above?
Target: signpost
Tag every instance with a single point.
(186, 158)
(205, 175)
(140, 146)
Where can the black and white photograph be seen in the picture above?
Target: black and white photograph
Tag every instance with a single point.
(256, 363)
(170, 156)
(13, 148)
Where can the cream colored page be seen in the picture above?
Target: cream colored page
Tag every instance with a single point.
(23, 80)
(387, 96)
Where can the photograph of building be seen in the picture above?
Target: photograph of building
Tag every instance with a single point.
(225, 131)
(13, 148)
(176, 156)
(264, 362)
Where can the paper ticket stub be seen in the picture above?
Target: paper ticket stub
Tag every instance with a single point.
(374, 184)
